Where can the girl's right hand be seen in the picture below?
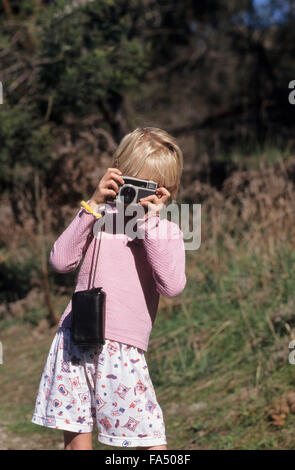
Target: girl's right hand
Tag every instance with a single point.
(107, 187)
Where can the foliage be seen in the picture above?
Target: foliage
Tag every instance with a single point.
(58, 62)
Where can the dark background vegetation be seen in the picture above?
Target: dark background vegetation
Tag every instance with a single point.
(77, 76)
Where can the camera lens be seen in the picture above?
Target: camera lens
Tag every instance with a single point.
(128, 193)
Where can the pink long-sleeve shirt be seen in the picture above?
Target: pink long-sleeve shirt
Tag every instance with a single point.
(133, 272)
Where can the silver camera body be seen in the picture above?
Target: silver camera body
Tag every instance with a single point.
(132, 190)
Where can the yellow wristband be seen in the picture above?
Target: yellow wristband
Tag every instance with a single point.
(88, 208)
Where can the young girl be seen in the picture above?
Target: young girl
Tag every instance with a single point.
(110, 384)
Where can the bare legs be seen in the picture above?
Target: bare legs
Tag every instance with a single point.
(77, 441)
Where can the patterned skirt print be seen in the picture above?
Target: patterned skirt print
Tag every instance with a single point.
(110, 386)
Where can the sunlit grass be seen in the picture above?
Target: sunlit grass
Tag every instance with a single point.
(218, 354)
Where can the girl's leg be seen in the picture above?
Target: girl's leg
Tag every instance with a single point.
(163, 447)
(77, 441)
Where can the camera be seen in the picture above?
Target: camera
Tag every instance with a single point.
(132, 190)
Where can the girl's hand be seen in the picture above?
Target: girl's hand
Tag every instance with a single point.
(107, 187)
(155, 202)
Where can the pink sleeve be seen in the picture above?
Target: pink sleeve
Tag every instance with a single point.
(70, 246)
(164, 246)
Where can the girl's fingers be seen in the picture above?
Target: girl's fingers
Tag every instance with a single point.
(111, 184)
(152, 206)
(117, 177)
(114, 170)
(152, 197)
(163, 192)
(108, 186)
(108, 192)
(113, 173)
(114, 177)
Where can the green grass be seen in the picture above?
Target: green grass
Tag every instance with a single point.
(231, 313)
(217, 361)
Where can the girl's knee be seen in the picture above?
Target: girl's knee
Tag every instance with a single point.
(77, 441)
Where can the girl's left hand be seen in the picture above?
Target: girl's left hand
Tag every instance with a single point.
(155, 202)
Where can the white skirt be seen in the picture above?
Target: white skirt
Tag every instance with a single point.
(109, 385)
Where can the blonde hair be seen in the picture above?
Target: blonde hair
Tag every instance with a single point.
(154, 151)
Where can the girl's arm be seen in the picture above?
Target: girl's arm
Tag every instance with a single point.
(164, 246)
(70, 246)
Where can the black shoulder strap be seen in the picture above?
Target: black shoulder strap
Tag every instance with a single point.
(101, 230)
